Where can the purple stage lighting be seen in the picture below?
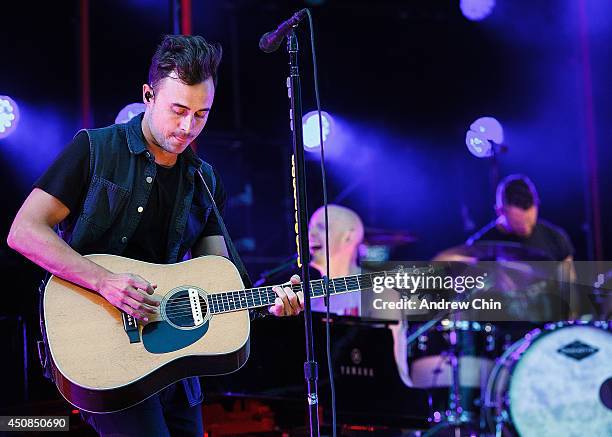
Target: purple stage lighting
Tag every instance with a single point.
(489, 128)
(310, 124)
(476, 10)
(129, 111)
(9, 116)
(482, 132)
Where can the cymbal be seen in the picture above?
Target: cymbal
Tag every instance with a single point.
(387, 237)
(492, 251)
(530, 290)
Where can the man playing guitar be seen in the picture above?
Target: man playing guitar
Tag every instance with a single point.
(134, 190)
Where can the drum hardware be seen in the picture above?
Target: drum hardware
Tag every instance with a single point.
(549, 381)
(601, 295)
(456, 417)
(492, 251)
(498, 422)
(458, 420)
(387, 237)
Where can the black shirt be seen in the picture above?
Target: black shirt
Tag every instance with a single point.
(67, 179)
(545, 237)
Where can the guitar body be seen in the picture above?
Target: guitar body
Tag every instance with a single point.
(96, 367)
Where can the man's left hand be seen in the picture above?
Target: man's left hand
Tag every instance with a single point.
(287, 303)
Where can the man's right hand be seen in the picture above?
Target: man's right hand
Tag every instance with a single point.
(130, 293)
(33, 236)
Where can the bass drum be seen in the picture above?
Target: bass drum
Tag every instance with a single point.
(555, 382)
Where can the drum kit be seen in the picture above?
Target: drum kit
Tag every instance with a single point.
(522, 376)
(513, 378)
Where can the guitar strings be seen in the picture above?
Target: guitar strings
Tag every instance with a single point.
(252, 292)
(222, 302)
(233, 301)
(224, 299)
(220, 306)
(345, 284)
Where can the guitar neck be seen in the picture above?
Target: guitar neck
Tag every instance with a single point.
(251, 298)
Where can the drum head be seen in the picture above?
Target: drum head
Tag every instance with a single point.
(555, 386)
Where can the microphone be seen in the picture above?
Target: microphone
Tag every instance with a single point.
(271, 41)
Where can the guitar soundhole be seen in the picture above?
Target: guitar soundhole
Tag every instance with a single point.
(180, 310)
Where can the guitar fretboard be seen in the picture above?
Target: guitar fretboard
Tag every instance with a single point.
(264, 296)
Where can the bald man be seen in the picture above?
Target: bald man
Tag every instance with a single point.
(345, 236)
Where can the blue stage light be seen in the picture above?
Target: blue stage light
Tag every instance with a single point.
(9, 116)
(129, 111)
(489, 128)
(310, 125)
(482, 132)
(478, 146)
(476, 10)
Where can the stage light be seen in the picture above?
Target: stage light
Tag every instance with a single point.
(478, 146)
(483, 132)
(9, 116)
(489, 128)
(476, 10)
(310, 128)
(129, 111)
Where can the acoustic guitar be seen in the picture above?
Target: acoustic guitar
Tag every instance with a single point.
(104, 360)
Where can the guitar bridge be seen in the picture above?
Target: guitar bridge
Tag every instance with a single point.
(130, 324)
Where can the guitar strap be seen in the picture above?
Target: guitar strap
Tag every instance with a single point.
(244, 275)
(246, 280)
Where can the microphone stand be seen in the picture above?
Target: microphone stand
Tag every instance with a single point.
(301, 215)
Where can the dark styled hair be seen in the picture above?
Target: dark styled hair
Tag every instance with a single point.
(517, 190)
(192, 57)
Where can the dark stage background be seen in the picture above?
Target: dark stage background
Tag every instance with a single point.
(403, 79)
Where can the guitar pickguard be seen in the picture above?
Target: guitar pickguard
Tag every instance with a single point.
(161, 337)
